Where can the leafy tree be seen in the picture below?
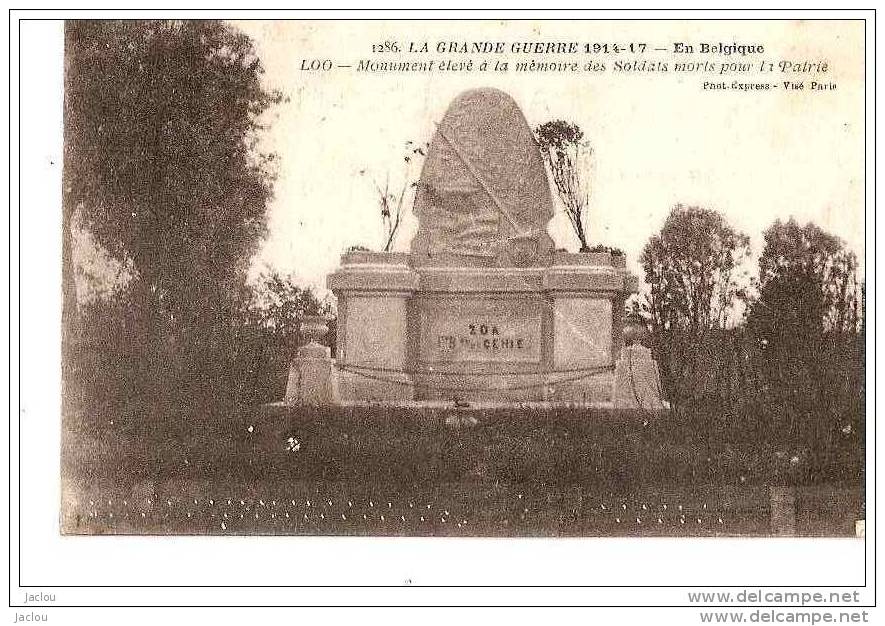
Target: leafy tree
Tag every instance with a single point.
(163, 119)
(267, 333)
(807, 321)
(278, 305)
(566, 153)
(808, 285)
(162, 167)
(693, 268)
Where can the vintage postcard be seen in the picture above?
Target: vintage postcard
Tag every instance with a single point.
(570, 308)
(474, 279)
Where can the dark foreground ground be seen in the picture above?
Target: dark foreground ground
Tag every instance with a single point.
(382, 471)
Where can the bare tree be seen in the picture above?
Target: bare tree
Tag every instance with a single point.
(391, 211)
(566, 154)
(389, 201)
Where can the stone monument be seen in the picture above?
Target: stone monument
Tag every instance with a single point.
(483, 192)
(311, 377)
(482, 308)
(637, 383)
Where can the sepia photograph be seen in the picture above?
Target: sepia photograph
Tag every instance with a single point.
(493, 307)
(398, 309)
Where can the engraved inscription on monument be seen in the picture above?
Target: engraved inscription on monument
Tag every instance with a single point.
(479, 336)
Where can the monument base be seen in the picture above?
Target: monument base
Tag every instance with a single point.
(416, 327)
(595, 389)
(498, 388)
(311, 378)
(637, 381)
(356, 384)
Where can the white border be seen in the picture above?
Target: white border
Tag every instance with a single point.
(288, 560)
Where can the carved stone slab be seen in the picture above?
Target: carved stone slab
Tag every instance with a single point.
(483, 190)
(486, 332)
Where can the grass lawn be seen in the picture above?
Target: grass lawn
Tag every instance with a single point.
(385, 471)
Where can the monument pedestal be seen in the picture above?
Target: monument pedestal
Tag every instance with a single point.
(421, 327)
(372, 360)
(587, 294)
(311, 378)
(482, 309)
(637, 380)
(358, 385)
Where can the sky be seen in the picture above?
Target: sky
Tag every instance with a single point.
(658, 139)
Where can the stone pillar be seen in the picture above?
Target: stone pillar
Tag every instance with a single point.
(860, 529)
(783, 511)
(586, 293)
(374, 291)
(637, 383)
(310, 375)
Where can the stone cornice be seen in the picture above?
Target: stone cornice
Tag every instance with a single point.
(374, 278)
